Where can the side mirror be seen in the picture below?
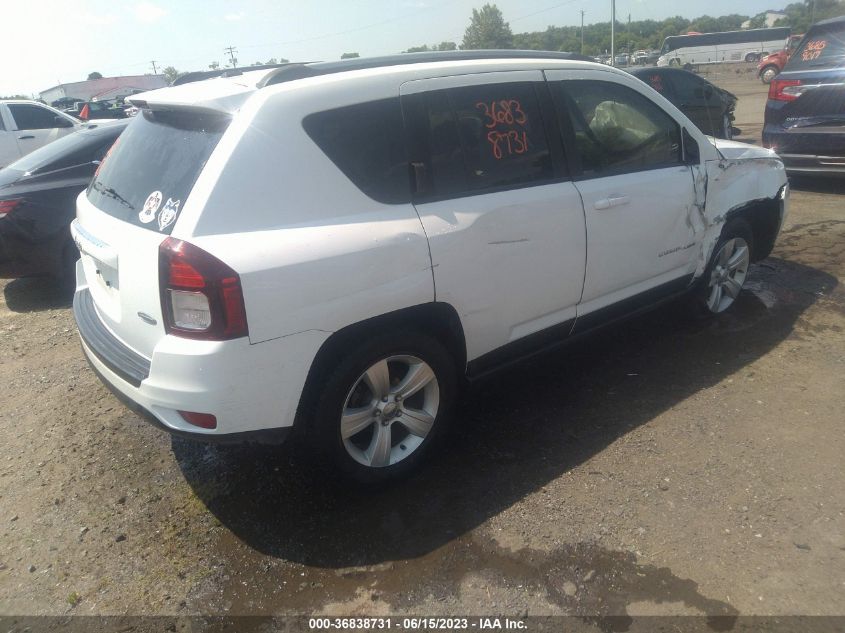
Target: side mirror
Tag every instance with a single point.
(62, 122)
(692, 155)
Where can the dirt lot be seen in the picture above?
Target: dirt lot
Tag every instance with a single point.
(664, 467)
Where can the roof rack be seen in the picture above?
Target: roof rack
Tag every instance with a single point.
(200, 75)
(292, 72)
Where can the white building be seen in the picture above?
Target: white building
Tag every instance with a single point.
(105, 88)
(771, 18)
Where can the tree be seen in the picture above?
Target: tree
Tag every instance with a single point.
(171, 74)
(94, 75)
(214, 65)
(447, 46)
(349, 55)
(487, 29)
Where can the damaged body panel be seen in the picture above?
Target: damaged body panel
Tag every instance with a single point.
(747, 179)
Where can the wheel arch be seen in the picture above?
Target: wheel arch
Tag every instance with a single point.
(764, 218)
(438, 319)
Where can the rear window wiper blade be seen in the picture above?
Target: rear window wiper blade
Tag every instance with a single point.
(111, 193)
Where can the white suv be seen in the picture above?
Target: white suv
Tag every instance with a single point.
(335, 246)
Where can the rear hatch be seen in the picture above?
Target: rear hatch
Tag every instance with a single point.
(131, 206)
(805, 112)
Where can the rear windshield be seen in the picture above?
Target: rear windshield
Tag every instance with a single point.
(149, 172)
(823, 47)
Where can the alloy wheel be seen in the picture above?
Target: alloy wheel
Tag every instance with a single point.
(728, 275)
(389, 411)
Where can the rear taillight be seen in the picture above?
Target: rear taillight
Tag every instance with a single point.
(201, 297)
(785, 89)
(7, 206)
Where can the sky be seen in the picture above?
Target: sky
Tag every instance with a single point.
(47, 42)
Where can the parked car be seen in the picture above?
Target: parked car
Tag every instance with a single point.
(805, 110)
(770, 65)
(622, 59)
(709, 107)
(89, 110)
(652, 58)
(640, 57)
(27, 125)
(603, 59)
(262, 251)
(38, 201)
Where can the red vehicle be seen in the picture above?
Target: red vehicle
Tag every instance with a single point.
(771, 65)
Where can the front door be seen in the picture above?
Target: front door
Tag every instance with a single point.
(638, 194)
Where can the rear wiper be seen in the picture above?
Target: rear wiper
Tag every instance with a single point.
(111, 193)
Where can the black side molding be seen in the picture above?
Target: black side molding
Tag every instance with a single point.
(130, 366)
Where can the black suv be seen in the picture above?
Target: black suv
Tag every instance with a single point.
(805, 112)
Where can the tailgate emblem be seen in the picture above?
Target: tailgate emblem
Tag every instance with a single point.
(146, 318)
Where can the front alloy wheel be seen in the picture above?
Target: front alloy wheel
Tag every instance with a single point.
(728, 275)
(390, 411)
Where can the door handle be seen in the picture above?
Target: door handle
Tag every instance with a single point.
(26, 136)
(612, 201)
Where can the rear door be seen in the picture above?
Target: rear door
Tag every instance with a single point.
(37, 126)
(130, 207)
(505, 225)
(638, 194)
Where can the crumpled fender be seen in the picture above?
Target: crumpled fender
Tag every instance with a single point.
(743, 175)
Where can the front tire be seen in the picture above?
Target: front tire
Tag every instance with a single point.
(727, 128)
(725, 276)
(384, 405)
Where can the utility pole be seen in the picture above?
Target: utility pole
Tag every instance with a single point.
(231, 50)
(813, 19)
(153, 62)
(630, 40)
(613, 32)
(582, 31)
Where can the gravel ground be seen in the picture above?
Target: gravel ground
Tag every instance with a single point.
(663, 467)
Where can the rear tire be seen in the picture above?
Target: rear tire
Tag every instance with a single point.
(66, 275)
(768, 73)
(384, 405)
(752, 57)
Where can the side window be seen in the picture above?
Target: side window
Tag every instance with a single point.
(31, 117)
(477, 138)
(616, 128)
(366, 142)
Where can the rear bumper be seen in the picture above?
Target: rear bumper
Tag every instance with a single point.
(810, 164)
(252, 390)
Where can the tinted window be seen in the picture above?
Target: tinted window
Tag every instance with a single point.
(823, 47)
(478, 138)
(691, 89)
(616, 129)
(30, 117)
(74, 149)
(150, 170)
(658, 81)
(366, 142)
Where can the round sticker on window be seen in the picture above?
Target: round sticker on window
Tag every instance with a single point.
(148, 213)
